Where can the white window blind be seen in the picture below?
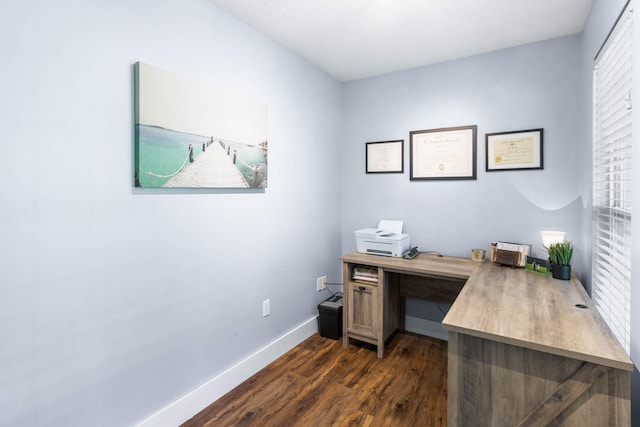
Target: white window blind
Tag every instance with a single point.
(612, 132)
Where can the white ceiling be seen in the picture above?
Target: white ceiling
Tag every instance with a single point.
(352, 39)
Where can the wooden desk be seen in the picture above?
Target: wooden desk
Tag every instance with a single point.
(521, 353)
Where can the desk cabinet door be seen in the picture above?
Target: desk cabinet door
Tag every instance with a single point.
(363, 309)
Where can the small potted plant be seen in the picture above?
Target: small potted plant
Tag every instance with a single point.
(560, 255)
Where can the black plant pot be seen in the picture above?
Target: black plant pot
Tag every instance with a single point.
(562, 272)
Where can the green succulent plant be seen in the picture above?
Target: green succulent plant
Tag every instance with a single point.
(560, 253)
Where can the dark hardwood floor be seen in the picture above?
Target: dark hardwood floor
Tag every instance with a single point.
(321, 383)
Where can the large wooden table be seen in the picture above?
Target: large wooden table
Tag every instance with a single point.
(524, 349)
(530, 350)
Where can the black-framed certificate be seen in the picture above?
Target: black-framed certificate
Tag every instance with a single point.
(385, 156)
(445, 153)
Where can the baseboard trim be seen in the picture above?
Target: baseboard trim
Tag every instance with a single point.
(190, 404)
(425, 327)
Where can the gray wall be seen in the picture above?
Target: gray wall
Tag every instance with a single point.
(533, 86)
(116, 301)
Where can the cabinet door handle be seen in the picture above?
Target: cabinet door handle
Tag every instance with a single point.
(362, 288)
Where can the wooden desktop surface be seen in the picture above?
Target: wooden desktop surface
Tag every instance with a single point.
(423, 265)
(513, 306)
(529, 310)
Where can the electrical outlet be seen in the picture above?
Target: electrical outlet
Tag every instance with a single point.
(321, 283)
(266, 308)
(324, 282)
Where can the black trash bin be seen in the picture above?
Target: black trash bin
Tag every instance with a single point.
(330, 317)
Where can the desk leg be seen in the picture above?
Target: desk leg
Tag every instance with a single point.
(402, 312)
(346, 277)
(380, 317)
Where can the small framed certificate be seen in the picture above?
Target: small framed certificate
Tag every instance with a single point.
(445, 153)
(514, 150)
(385, 157)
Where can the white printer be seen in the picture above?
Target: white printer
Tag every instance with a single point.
(387, 239)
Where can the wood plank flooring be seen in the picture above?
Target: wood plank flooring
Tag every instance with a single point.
(321, 383)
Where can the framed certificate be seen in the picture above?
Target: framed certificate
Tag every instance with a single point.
(445, 153)
(514, 150)
(385, 157)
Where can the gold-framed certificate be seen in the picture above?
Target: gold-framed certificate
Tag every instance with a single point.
(514, 150)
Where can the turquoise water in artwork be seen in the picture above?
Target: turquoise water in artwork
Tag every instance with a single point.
(161, 153)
